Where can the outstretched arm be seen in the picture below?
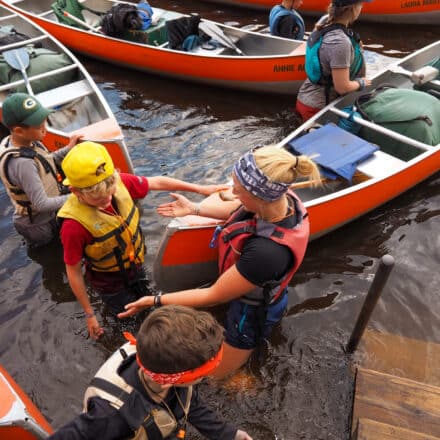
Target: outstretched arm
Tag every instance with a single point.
(165, 183)
(230, 285)
(213, 206)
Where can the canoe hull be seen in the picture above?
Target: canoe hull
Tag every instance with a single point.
(184, 259)
(281, 74)
(13, 401)
(177, 263)
(390, 11)
(79, 106)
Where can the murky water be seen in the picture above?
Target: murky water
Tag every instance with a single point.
(300, 385)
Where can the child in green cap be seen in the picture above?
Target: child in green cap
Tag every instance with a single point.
(29, 171)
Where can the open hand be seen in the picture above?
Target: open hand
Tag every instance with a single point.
(178, 208)
(74, 139)
(137, 306)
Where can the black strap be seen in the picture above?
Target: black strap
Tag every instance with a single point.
(110, 388)
(151, 428)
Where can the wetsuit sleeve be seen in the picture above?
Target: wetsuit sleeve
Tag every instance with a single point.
(24, 174)
(263, 260)
(137, 186)
(59, 155)
(101, 421)
(208, 422)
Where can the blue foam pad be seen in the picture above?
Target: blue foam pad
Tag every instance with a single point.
(338, 151)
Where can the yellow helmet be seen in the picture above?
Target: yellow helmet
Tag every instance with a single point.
(82, 162)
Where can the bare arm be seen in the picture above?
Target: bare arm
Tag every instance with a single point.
(230, 285)
(165, 183)
(78, 286)
(342, 82)
(213, 206)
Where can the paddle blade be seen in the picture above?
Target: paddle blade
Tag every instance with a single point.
(217, 33)
(18, 59)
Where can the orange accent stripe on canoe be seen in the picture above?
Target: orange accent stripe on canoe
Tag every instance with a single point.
(32, 409)
(54, 142)
(192, 244)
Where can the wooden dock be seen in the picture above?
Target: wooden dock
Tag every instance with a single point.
(397, 389)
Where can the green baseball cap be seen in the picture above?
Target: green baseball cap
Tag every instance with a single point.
(23, 109)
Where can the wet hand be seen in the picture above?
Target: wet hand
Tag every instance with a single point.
(137, 306)
(93, 327)
(210, 189)
(178, 208)
(242, 435)
(74, 139)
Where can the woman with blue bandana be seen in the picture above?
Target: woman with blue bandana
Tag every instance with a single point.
(261, 245)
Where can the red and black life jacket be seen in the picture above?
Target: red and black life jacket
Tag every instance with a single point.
(239, 227)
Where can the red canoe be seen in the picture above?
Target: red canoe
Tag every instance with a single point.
(267, 64)
(385, 11)
(78, 104)
(185, 260)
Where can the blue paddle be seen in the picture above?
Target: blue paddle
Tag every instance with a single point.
(18, 59)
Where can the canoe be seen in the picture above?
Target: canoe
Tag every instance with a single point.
(20, 419)
(269, 64)
(425, 12)
(78, 104)
(184, 258)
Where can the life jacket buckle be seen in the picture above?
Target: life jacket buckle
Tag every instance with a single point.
(214, 240)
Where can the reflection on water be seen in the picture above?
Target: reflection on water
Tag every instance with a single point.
(299, 386)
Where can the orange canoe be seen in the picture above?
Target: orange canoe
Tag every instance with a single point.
(78, 104)
(268, 64)
(20, 419)
(385, 11)
(185, 260)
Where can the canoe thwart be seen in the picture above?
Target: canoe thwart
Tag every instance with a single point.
(61, 95)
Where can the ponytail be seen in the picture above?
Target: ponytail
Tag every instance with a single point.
(281, 166)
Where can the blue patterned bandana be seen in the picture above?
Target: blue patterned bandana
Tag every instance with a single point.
(254, 181)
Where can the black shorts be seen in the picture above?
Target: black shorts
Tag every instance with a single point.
(246, 325)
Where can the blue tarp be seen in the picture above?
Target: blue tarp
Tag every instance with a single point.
(338, 151)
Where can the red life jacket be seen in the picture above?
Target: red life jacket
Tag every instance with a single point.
(238, 229)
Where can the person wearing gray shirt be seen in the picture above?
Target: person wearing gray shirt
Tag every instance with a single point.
(29, 171)
(339, 56)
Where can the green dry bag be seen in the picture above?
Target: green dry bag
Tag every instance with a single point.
(409, 112)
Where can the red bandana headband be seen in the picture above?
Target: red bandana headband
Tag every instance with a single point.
(182, 377)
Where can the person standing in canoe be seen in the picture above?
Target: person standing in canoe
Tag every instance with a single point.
(29, 171)
(284, 20)
(261, 246)
(334, 59)
(101, 226)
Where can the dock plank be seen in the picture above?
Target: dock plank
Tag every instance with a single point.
(405, 357)
(396, 401)
(372, 430)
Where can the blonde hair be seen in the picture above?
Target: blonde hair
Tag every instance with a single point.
(337, 14)
(102, 187)
(281, 166)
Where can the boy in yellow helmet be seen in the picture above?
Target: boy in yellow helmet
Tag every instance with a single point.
(101, 226)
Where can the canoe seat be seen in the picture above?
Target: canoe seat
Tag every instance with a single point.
(60, 95)
(380, 164)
